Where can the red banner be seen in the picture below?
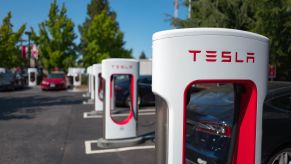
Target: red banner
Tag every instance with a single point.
(272, 71)
(23, 51)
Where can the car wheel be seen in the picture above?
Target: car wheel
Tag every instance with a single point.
(282, 157)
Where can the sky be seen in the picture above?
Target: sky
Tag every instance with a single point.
(138, 19)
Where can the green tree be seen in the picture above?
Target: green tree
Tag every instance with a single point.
(101, 37)
(236, 14)
(56, 39)
(10, 54)
(266, 17)
(142, 55)
(274, 21)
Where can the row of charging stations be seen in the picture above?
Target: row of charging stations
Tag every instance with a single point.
(75, 72)
(183, 60)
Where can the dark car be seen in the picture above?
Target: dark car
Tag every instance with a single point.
(7, 81)
(145, 94)
(210, 118)
(54, 81)
(276, 146)
(209, 122)
(20, 80)
(12, 81)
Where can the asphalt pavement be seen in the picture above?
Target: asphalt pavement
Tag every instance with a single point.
(38, 127)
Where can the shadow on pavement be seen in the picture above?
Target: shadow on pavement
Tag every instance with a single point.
(23, 107)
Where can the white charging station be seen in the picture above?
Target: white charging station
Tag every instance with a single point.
(89, 72)
(98, 86)
(2, 70)
(77, 75)
(145, 67)
(185, 57)
(126, 128)
(88, 84)
(91, 92)
(32, 77)
(92, 81)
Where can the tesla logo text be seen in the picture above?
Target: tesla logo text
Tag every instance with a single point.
(223, 56)
(122, 66)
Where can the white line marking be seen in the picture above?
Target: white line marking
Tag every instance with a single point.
(147, 110)
(90, 115)
(88, 149)
(140, 114)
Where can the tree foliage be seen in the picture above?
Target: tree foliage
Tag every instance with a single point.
(274, 21)
(267, 17)
(101, 37)
(56, 39)
(236, 14)
(10, 54)
(142, 55)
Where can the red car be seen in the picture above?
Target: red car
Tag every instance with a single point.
(54, 81)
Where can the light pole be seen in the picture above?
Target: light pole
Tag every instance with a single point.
(28, 33)
(176, 8)
(189, 9)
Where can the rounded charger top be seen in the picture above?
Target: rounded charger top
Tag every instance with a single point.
(119, 60)
(207, 31)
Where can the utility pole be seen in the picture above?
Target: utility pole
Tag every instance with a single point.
(189, 9)
(29, 50)
(176, 8)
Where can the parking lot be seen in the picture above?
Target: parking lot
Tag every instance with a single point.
(38, 127)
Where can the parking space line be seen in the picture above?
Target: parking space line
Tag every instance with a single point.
(88, 148)
(147, 110)
(90, 115)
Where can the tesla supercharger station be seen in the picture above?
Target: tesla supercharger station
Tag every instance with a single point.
(2, 70)
(32, 77)
(115, 130)
(187, 57)
(77, 76)
(91, 92)
(88, 84)
(97, 86)
(89, 70)
(92, 81)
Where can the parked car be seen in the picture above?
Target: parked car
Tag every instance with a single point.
(210, 118)
(20, 80)
(276, 144)
(145, 94)
(54, 81)
(7, 81)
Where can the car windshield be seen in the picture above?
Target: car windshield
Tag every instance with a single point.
(6, 76)
(121, 78)
(56, 75)
(2, 76)
(145, 79)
